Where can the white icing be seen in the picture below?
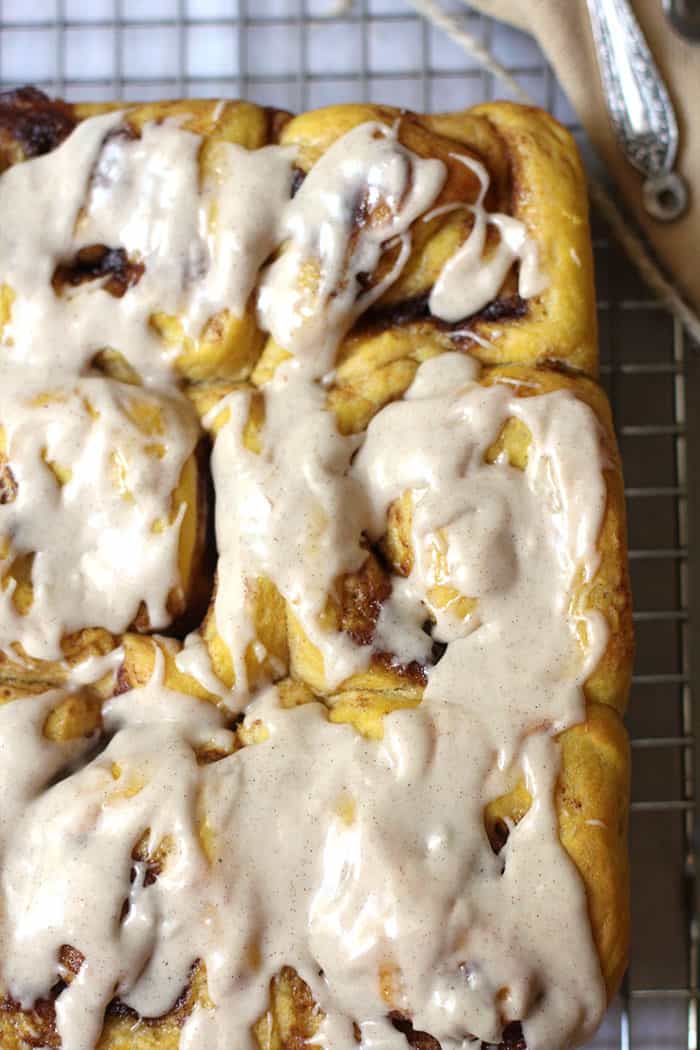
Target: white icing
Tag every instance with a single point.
(497, 545)
(201, 250)
(497, 667)
(308, 313)
(339, 856)
(290, 514)
(194, 659)
(97, 555)
(468, 280)
(71, 880)
(28, 759)
(245, 195)
(93, 668)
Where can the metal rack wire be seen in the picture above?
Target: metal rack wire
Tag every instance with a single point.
(290, 53)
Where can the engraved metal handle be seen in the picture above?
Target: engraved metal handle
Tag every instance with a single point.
(639, 106)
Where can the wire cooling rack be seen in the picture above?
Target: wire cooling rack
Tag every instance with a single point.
(295, 54)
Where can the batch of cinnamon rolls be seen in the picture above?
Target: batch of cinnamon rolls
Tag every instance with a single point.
(315, 629)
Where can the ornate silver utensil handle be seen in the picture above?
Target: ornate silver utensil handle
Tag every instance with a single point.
(639, 106)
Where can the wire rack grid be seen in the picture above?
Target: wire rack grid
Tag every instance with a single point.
(298, 54)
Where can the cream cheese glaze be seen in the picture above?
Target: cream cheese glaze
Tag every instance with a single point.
(290, 513)
(93, 504)
(343, 857)
(479, 528)
(309, 296)
(467, 282)
(200, 248)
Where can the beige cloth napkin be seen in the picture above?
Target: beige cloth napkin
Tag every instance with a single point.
(563, 30)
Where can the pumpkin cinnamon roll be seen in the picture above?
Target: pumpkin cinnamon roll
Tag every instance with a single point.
(102, 518)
